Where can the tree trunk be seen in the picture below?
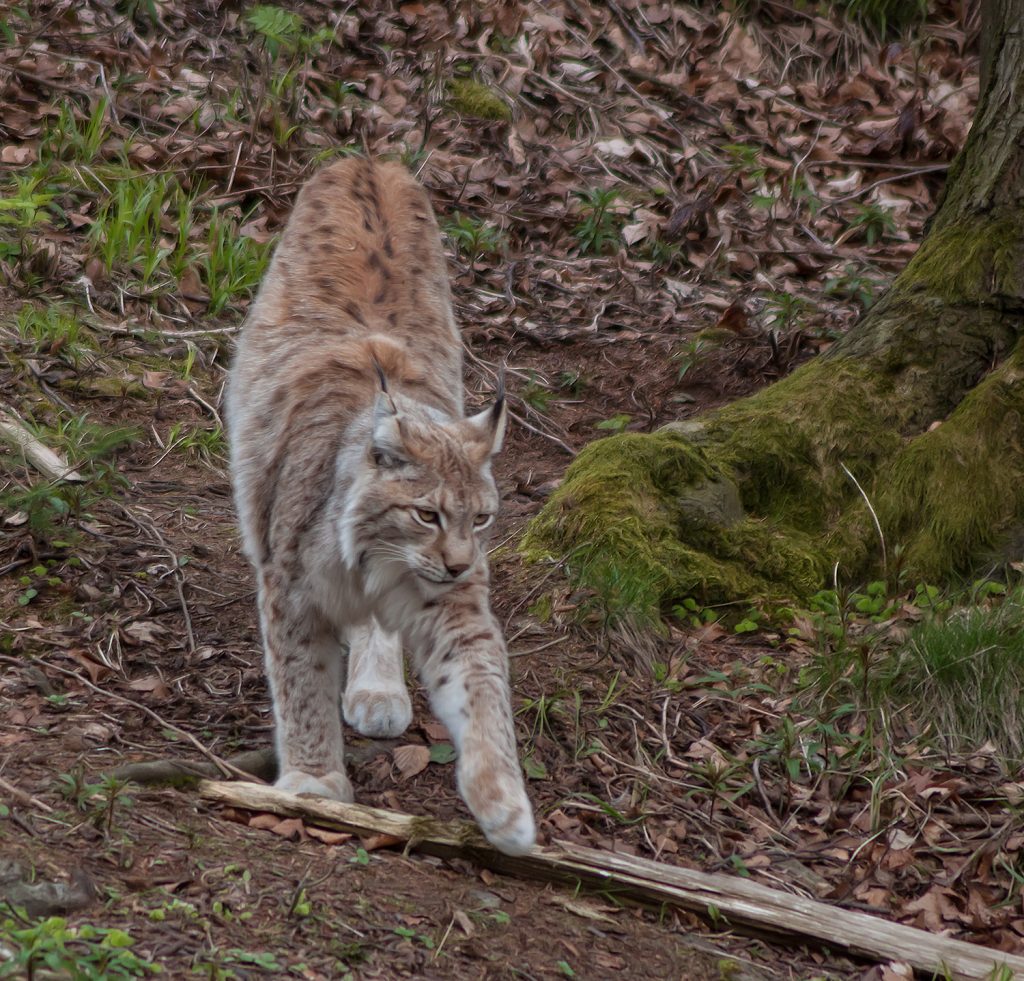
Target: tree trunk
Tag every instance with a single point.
(916, 410)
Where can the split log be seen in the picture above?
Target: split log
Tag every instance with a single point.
(740, 902)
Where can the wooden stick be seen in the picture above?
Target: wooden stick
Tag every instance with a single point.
(738, 901)
(45, 460)
(260, 763)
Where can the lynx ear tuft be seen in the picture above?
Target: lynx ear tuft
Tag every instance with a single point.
(492, 422)
(386, 445)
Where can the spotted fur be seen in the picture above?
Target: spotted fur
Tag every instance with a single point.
(365, 494)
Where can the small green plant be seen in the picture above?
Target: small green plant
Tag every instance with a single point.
(280, 29)
(689, 356)
(407, 933)
(853, 284)
(89, 448)
(745, 160)
(99, 800)
(573, 382)
(885, 17)
(69, 139)
(783, 310)
(691, 612)
(473, 237)
(24, 205)
(872, 222)
(962, 671)
(87, 444)
(661, 253)
(233, 265)
(129, 229)
(663, 678)
(218, 964)
(599, 228)
(535, 393)
(52, 330)
(750, 623)
(361, 857)
(802, 195)
(283, 31)
(203, 443)
(615, 424)
(52, 948)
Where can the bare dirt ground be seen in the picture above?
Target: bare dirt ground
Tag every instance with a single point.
(769, 178)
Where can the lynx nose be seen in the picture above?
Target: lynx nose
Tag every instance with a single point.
(456, 570)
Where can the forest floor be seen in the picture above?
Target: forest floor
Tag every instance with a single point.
(650, 209)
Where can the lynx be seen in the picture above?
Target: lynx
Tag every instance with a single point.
(365, 495)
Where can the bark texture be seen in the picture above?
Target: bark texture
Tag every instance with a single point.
(920, 404)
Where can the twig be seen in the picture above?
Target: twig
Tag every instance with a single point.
(536, 650)
(905, 175)
(261, 763)
(23, 797)
(540, 432)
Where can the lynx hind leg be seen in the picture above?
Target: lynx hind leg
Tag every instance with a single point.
(304, 669)
(376, 701)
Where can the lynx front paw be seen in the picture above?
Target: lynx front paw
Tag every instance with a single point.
(333, 785)
(380, 713)
(498, 801)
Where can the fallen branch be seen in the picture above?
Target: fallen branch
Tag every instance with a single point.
(259, 763)
(738, 901)
(46, 461)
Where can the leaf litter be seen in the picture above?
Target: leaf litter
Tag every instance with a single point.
(746, 187)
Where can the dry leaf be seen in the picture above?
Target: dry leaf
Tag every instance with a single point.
(328, 837)
(411, 760)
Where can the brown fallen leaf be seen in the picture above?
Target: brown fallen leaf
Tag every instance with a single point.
(18, 155)
(328, 837)
(411, 760)
(151, 683)
(291, 828)
(373, 842)
(436, 732)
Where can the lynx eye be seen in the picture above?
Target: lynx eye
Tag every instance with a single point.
(426, 517)
(482, 521)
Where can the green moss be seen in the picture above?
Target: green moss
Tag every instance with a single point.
(109, 386)
(970, 260)
(954, 493)
(621, 516)
(789, 442)
(471, 98)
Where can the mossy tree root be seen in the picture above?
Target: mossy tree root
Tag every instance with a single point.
(908, 405)
(920, 404)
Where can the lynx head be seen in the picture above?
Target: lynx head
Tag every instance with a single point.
(427, 497)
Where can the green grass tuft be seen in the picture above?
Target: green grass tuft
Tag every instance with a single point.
(884, 16)
(965, 675)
